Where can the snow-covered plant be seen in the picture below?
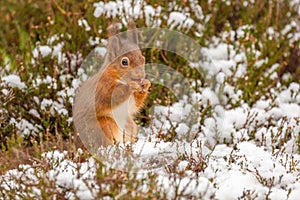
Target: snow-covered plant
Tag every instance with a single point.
(236, 135)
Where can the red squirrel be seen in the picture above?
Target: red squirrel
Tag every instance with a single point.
(118, 92)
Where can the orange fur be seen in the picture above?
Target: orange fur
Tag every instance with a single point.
(118, 90)
(111, 92)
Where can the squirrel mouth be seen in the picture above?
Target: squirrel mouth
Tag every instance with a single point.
(122, 81)
(137, 79)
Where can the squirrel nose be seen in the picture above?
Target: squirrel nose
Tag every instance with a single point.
(138, 72)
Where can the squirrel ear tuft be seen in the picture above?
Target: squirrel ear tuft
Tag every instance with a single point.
(113, 47)
(114, 29)
(132, 33)
(114, 41)
(131, 24)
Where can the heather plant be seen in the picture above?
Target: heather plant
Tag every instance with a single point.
(244, 107)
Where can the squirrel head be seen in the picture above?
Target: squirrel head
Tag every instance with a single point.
(124, 59)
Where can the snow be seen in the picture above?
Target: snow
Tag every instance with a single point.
(149, 13)
(57, 49)
(62, 171)
(222, 58)
(5, 92)
(100, 51)
(84, 23)
(249, 170)
(99, 9)
(110, 9)
(14, 81)
(34, 113)
(245, 150)
(46, 103)
(234, 184)
(187, 186)
(209, 97)
(182, 129)
(290, 110)
(95, 41)
(230, 171)
(43, 50)
(176, 19)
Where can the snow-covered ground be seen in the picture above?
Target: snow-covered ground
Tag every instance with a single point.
(241, 151)
(250, 151)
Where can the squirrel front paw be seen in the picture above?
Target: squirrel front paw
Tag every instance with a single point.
(134, 86)
(140, 87)
(145, 84)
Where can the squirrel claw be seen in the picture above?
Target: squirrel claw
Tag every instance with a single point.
(145, 84)
(133, 86)
(140, 87)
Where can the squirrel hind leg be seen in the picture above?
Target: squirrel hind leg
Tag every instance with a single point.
(131, 131)
(110, 129)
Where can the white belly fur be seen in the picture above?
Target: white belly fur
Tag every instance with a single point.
(123, 112)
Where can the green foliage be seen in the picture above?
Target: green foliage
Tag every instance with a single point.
(28, 24)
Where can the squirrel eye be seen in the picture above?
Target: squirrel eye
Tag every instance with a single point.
(125, 62)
